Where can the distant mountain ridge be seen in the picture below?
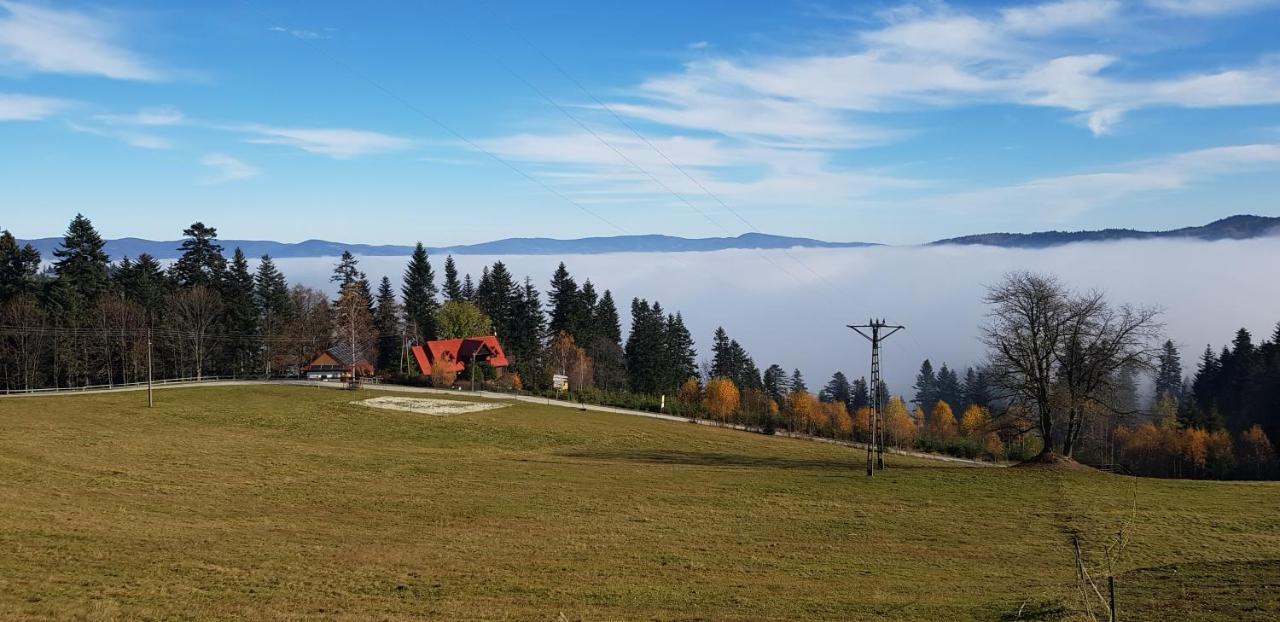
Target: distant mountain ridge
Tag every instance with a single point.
(169, 249)
(1239, 227)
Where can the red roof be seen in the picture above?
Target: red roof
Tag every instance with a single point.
(456, 353)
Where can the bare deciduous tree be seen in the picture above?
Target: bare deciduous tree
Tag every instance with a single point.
(1059, 355)
(23, 344)
(194, 312)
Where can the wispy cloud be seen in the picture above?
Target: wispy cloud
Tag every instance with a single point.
(153, 116)
(1063, 197)
(297, 33)
(772, 130)
(1209, 7)
(332, 142)
(135, 139)
(65, 41)
(228, 168)
(18, 107)
(940, 58)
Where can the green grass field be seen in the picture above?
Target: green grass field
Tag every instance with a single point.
(290, 502)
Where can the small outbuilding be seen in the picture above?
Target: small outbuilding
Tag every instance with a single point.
(338, 363)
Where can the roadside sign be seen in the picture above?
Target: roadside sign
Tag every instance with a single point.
(560, 382)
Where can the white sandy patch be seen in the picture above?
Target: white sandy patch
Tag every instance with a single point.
(427, 406)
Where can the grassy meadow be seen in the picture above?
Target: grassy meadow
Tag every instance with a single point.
(294, 503)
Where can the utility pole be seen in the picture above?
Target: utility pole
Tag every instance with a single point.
(150, 400)
(875, 326)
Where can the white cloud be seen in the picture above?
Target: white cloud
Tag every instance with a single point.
(1063, 197)
(136, 139)
(157, 115)
(18, 107)
(332, 142)
(47, 40)
(297, 33)
(1205, 8)
(228, 168)
(1053, 54)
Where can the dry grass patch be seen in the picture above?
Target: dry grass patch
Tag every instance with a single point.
(295, 503)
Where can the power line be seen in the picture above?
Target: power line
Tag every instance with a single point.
(680, 197)
(424, 114)
(647, 142)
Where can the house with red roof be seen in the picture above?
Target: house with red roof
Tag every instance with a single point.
(455, 354)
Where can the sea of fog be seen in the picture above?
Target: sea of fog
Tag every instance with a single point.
(791, 307)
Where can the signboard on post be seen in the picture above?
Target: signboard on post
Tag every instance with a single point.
(560, 382)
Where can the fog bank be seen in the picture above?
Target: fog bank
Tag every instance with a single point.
(791, 307)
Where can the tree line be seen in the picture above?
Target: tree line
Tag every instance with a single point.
(1059, 379)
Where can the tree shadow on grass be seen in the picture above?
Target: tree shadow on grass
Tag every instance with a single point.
(719, 459)
(1210, 590)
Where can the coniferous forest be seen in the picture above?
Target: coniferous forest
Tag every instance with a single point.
(92, 320)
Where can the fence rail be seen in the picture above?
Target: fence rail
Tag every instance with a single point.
(122, 385)
(159, 383)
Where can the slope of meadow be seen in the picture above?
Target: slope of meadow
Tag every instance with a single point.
(290, 502)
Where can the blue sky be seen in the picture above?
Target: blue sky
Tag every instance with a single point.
(456, 122)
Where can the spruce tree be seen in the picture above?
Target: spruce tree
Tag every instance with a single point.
(386, 319)
(948, 387)
(468, 289)
(82, 277)
(926, 386)
(275, 306)
(1204, 388)
(201, 262)
(18, 266)
(606, 319)
(347, 273)
(81, 264)
(569, 314)
(645, 347)
(722, 365)
(605, 347)
(419, 294)
(144, 282)
(977, 388)
(239, 315)
(497, 297)
(861, 396)
(838, 390)
(682, 359)
(1169, 373)
(776, 384)
(797, 383)
(452, 287)
(524, 340)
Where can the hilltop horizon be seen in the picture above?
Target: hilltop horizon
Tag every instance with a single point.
(1240, 226)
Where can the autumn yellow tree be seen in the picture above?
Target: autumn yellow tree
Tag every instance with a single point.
(721, 398)
(1193, 447)
(993, 446)
(803, 411)
(568, 358)
(942, 424)
(900, 429)
(441, 375)
(837, 421)
(974, 422)
(862, 423)
(1256, 450)
(689, 397)
(1222, 455)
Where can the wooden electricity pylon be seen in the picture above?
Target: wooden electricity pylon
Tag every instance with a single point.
(876, 441)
